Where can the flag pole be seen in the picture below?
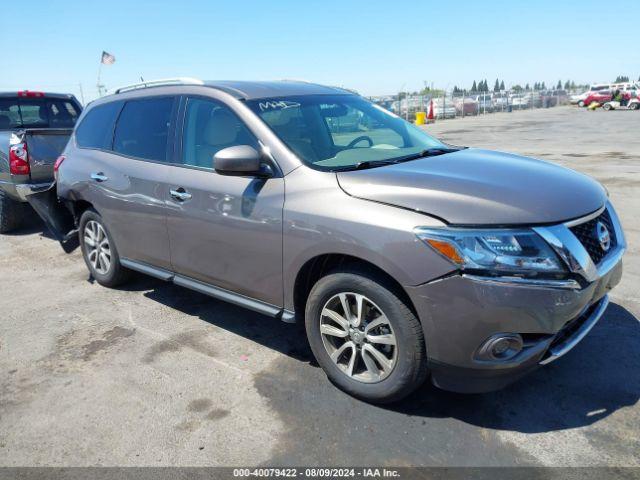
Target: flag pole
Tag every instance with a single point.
(99, 85)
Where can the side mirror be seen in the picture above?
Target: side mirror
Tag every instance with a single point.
(240, 160)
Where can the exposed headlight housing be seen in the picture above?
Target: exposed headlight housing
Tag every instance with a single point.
(500, 251)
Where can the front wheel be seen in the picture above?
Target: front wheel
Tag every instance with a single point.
(607, 106)
(365, 337)
(99, 251)
(581, 103)
(634, 106)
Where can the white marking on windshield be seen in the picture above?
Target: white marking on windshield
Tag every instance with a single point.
(277, 105)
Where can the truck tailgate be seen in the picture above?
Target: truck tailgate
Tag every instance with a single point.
(45, 146)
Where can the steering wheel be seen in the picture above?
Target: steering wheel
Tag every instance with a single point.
(359, 139)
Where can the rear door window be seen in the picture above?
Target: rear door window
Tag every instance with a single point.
(142, 130)
(96, 128)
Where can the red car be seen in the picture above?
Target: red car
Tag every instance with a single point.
(599, 96)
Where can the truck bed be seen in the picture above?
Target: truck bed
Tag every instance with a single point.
(44, 146)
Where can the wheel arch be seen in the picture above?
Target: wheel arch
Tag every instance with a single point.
(320, 265)
(78, 207)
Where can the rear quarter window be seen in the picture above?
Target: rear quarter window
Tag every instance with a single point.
(96, 128)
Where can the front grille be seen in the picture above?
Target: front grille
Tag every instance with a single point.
(588, 236)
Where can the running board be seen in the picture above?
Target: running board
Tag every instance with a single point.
(211, 290)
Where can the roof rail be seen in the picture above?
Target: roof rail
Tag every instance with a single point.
(159, 83)
(299, 80)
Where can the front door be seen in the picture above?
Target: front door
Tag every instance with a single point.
(223, 230)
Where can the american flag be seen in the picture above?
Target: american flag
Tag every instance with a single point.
(107, 58)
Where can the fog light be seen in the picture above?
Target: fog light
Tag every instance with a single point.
(502, 346)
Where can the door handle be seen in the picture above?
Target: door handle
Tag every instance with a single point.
(180, 194)
(99, 177)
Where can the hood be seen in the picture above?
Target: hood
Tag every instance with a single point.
(480, 187)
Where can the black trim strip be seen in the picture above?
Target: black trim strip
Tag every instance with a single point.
(227, 296)
(156, 272)
(211, 290)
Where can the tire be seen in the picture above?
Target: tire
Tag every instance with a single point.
(93, 229)
(11, 213)
(634, 106)
(581, 103)
(607, 106)
(408, 357)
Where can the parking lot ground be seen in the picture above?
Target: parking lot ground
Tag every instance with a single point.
(153, 374)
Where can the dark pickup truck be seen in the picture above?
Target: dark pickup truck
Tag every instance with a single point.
(34, 129)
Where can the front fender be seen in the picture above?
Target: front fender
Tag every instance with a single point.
(320, 218)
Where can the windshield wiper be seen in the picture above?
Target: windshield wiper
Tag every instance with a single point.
(429, 152)
(372, 164)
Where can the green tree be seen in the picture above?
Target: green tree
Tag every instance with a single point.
(496, 86)
(621, 79)
(543, 86)
(502, 85)
(559, 85)
(517, 88)
(474, 87)
(567, 85)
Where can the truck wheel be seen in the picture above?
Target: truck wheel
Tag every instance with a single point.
(367, 340)
(11, 213)
(99, 251)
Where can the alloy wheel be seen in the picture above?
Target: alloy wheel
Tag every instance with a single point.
(358, 337)
(97, 247)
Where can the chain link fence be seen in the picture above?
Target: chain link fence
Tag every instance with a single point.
(458, 104)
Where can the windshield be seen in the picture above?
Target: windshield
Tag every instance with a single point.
(335, 132)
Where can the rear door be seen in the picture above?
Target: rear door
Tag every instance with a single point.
(226, 230)
(127, 172)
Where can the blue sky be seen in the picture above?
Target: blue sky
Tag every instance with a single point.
(376, 47)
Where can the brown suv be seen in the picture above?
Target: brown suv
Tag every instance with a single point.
(405, 257)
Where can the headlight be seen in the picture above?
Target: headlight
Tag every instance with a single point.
(502, 251)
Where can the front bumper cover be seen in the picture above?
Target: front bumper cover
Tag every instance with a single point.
(460, 312)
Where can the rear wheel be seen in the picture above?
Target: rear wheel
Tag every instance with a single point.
(634, 106)
(581, 103)
(367, 340)
(11, 213)
(99, 251)
(607, 106)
